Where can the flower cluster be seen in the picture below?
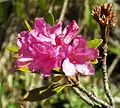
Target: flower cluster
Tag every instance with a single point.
(47, 47)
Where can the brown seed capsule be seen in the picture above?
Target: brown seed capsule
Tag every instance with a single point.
(104, 15)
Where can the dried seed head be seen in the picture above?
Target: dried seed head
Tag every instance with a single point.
(104, 15)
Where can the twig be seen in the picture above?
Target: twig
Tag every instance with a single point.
(63, 10)
(91, 95)
(88, 101)
(77, 92)
(105, 35)
(75, 89)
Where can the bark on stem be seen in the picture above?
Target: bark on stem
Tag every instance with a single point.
(88, 101)
(105, 34)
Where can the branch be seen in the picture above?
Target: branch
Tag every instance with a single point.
(105, 17)
(88, 101)
(90, 94)
(104, 66)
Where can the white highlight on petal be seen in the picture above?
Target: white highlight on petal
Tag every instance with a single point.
(68, 68)
(25, 59)
(18, 41)
(83, 69)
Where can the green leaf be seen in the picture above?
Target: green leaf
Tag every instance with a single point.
(95, 61)
(43, 92)
(115, 50)
(13, 48)
(49, 18)
(94, 43)
(27, 25)
(56, 69)
(60, 88)
(24, 69)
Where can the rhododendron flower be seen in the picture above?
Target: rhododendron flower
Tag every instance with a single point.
(79, 58)
(46, 47)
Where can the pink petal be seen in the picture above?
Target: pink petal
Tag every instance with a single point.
(22, 38)
(44, 64)
(59, 40)
(79, 42)
(41, 26)
(47, 66)
(68, 68)
(46, 32)
(78, 53)
(92, 53)
(35, 65)
(21, 62)
(56, 29)
(85, 69)
(72, 29)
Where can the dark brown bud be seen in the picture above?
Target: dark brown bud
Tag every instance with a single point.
(104, 15)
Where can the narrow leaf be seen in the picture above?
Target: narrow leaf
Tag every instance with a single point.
(41, 93)
(13, 48)
(94, 43)
(49, 18)
(60, 88)
(27, 25)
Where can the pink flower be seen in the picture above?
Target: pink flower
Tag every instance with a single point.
(46, 47)
(79, 57)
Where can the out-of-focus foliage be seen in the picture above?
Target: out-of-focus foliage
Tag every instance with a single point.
(13, 85)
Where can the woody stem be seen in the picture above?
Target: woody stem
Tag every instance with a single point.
(105, 34)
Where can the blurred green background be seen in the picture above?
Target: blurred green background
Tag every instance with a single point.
(14, 84)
